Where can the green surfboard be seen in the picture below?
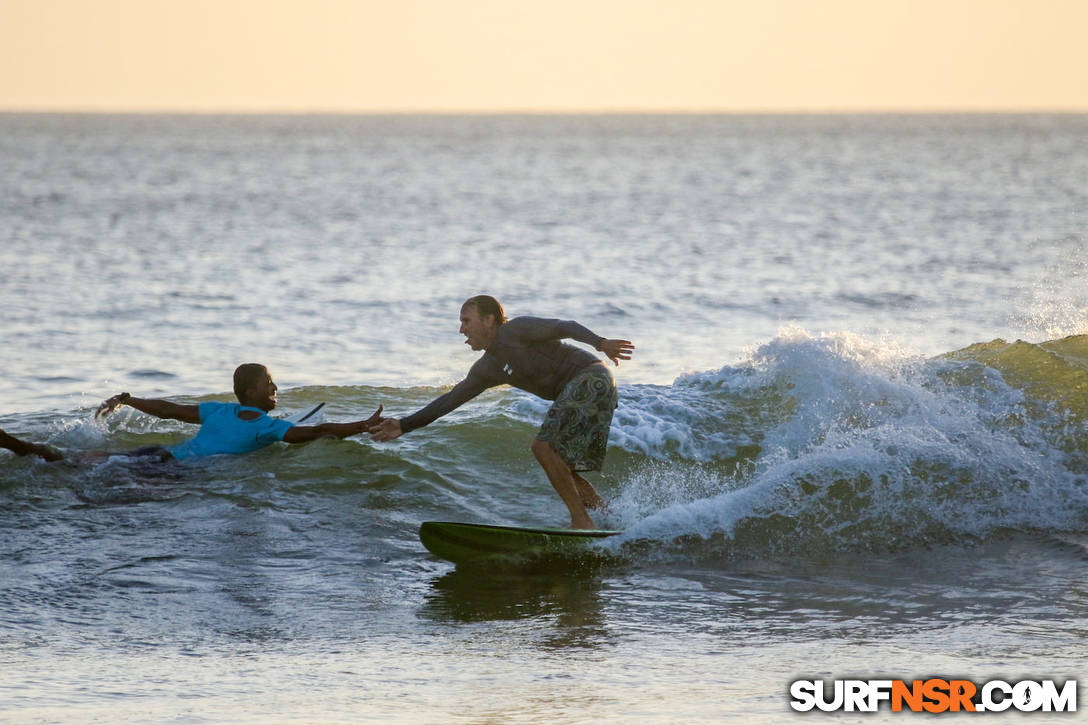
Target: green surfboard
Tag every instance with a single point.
(459, 542)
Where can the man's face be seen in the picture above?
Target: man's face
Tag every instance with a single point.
(479, 333)
(262, 394)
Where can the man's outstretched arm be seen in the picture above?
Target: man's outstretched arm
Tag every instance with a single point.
(307, 433)
(151, 406)
(536, 328)
(389, 428)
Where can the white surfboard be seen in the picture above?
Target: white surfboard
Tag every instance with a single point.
(309, 416)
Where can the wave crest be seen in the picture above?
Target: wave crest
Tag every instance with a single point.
(856, 445)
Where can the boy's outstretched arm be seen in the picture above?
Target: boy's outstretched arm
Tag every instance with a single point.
(151, 406)
(307, 433)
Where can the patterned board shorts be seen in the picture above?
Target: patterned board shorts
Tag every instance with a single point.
(578, 422)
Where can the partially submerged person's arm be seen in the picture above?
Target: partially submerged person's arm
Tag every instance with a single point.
(25, 448)
(151, 406)
(307, 433)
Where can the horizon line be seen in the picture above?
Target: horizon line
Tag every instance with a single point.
(618, 111)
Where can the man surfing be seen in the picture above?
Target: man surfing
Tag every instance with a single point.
(527, 352)
(225, 428)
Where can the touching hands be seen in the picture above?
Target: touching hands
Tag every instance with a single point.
(617, 350)
(387, 430)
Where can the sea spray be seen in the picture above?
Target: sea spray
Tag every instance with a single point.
(872, 450)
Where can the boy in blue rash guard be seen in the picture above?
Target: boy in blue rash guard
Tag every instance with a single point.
(527, 352)
(225, 428)
(234, 428)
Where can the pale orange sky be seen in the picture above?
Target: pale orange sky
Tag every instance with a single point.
(543, 55)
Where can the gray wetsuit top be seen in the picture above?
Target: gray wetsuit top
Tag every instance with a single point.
(527, 353)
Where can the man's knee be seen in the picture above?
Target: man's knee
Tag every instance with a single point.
(541, 449)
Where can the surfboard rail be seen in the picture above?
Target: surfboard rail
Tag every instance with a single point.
(461, 542)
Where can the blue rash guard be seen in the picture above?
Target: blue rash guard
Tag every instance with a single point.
(527, 353)
(222, 431)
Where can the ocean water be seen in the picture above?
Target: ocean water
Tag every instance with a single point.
(852, 441)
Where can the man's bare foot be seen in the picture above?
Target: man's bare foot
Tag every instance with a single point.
(590, 498)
